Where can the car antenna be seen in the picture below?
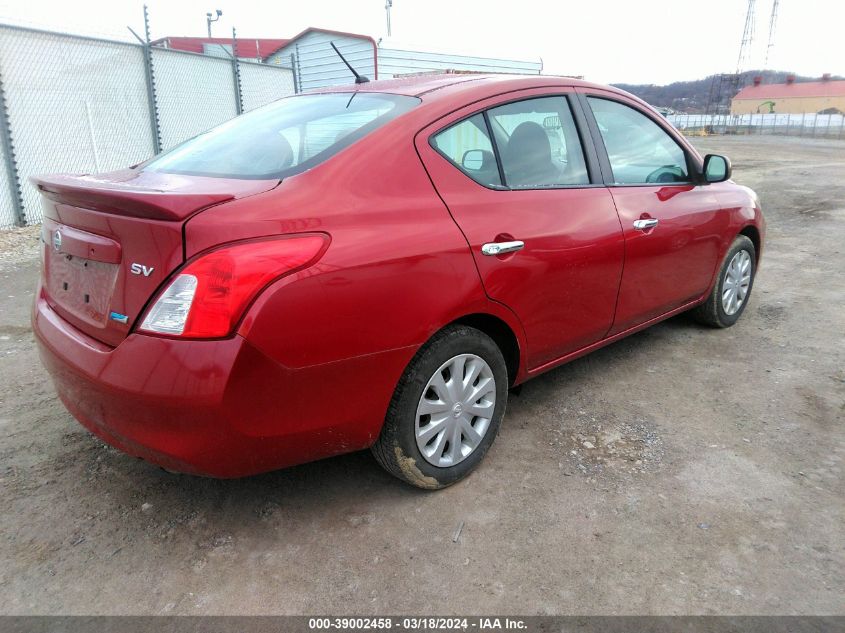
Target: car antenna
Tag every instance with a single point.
(359, 79)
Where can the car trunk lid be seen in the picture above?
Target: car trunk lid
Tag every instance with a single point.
(111, 240)
(142, 194)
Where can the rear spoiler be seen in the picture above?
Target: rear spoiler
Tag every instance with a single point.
(117, 196)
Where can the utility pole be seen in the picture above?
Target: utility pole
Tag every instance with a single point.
(209, 20)
(387, 6)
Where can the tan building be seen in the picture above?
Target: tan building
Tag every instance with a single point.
(791, 98)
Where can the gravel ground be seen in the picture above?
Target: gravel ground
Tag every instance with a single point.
(680, 471)
(18, 246)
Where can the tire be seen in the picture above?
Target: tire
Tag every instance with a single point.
(398, 448)
(713, 312)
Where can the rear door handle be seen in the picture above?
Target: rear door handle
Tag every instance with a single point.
(500, 248)
(642, 225)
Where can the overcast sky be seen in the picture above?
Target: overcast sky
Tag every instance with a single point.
(633, 41)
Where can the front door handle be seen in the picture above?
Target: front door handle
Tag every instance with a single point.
(642, 225)
(500, 248)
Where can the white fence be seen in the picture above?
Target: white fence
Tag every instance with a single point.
(807, 125)
(83, 105)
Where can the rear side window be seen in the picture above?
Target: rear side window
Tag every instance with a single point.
(538, 143)
(639, 150)
(467, 145)
(283, 138)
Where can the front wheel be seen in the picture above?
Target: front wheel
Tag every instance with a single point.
(446, 410)
(730, 294)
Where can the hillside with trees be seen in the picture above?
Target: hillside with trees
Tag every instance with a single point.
(692, 96)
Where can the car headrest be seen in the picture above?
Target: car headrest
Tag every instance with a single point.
(528, 155)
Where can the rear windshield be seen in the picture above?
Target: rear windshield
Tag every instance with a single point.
(284, 137)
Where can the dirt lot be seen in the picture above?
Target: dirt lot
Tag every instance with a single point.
(715, 484)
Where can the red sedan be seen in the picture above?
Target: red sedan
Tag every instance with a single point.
(375, 266)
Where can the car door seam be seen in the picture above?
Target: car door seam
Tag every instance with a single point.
(466, 239)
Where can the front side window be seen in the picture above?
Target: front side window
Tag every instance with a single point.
(284, 137)
(639, 150)
(467, 146)
(538, 143)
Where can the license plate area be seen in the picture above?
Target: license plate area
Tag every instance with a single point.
(80, 286)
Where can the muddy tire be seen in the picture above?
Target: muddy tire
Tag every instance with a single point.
(446, 410)
(732, 290)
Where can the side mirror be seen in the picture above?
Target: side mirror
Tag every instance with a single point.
(473, 160)
(716, 168)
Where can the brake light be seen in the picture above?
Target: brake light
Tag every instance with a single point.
(207, 298)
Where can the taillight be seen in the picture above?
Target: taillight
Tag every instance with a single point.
(207, 298)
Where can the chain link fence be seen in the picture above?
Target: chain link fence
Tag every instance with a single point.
(261, 83)
(84, 105)
(7, 209)
(810, 125)
(193, 93)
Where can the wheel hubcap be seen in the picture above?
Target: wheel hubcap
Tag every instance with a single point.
(736, 283)
(455, 410)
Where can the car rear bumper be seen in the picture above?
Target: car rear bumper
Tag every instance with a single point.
(216, 408)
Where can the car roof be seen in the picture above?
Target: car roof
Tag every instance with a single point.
(434, 87)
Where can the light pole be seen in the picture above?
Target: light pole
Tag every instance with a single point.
(209, 20)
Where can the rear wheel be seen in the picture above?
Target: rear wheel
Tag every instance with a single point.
(446, 410)
(732, 289)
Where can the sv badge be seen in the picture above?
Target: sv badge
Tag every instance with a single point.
(140, 269)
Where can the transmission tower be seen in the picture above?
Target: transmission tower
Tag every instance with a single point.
(747, 37)
(772, 23)
(724, 86)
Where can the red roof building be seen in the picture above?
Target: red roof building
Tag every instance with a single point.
(791, 97)
(246, 47)
(315, 64)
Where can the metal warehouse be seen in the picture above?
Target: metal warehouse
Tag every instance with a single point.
(315, 64)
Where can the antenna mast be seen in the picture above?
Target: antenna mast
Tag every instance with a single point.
(359, 79)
